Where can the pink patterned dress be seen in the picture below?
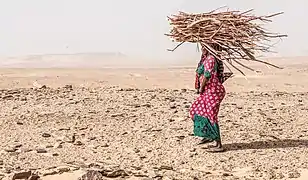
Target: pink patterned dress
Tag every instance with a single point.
(204, 110)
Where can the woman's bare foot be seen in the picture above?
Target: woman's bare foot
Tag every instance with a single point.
(205, 141)
(216, 148)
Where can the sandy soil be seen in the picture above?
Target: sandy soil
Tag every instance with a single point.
(133, 124)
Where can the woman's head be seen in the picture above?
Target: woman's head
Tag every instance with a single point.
(216, 47)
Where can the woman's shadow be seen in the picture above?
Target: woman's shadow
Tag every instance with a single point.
(276, 144)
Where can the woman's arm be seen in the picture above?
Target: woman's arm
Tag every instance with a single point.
(209, 64)
(203, 84)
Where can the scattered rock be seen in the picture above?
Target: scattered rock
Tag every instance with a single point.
(117, 173)
(41, 150)
(19, 123)
(58, 145)
(68, 86)
(172, 106)
(34, 177)
(49, 146)
(8, 97)
(226, 174)
(166, 178)
(166, 167)
(10, 149)
(136, 150)
(17, 146)
(46, 135)
(78, 143)
(49, 172)
(63, 169)
(294, 174)
(92, 175)
(104, 145)
(22, 175)
(64, 129)
(70, 139)
(117, 115)
(55, 154)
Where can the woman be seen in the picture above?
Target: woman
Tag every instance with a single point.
(204, 111)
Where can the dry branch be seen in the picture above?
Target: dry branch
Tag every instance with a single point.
(237, 33)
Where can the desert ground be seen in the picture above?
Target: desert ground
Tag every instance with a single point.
(132, 123)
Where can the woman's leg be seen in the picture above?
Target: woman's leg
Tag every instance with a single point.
(218, 145)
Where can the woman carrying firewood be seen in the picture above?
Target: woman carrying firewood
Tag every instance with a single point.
(227, 36)
(204, 111)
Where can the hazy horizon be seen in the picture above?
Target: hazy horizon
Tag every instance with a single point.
(134, 28)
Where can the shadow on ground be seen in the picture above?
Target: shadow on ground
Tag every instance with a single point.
(284, 143)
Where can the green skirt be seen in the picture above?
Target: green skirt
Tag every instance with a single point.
(204, 128)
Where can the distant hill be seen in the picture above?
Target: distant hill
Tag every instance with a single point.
(114, 60)
(79, 60)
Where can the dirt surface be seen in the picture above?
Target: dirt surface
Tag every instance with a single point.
(133, 124)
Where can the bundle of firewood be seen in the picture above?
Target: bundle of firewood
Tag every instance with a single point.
(239, 35)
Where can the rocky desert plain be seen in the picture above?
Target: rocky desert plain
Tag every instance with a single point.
(132, 123)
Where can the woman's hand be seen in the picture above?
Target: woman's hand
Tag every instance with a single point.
(203, 84)
(201, 90)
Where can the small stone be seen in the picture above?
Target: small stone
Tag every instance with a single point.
(143, 156)
(193, 150)
(280, 176)
(136, 150)
(136, 167)
(63, 169)
(183, 90)
(105, 145)
(8, 170)
(22, 175)
(34, 177)
(58, 145)
(91, 138)
(10, 149)
(64, 129)
(117, 173)
(55, 154)
(49, 146)
(117, 115)
(165, 167)
(78, 143)
(26, 150)
(70, 139)
(46, 135)
(92, 175)
(41, 151)
(19, 123)
(172, 106)
(83, 128)
(226, 174)
(49, 172)
(294, 175)
(17, 146)
(68, 86)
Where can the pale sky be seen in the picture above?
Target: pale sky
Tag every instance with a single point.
(132, 27)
